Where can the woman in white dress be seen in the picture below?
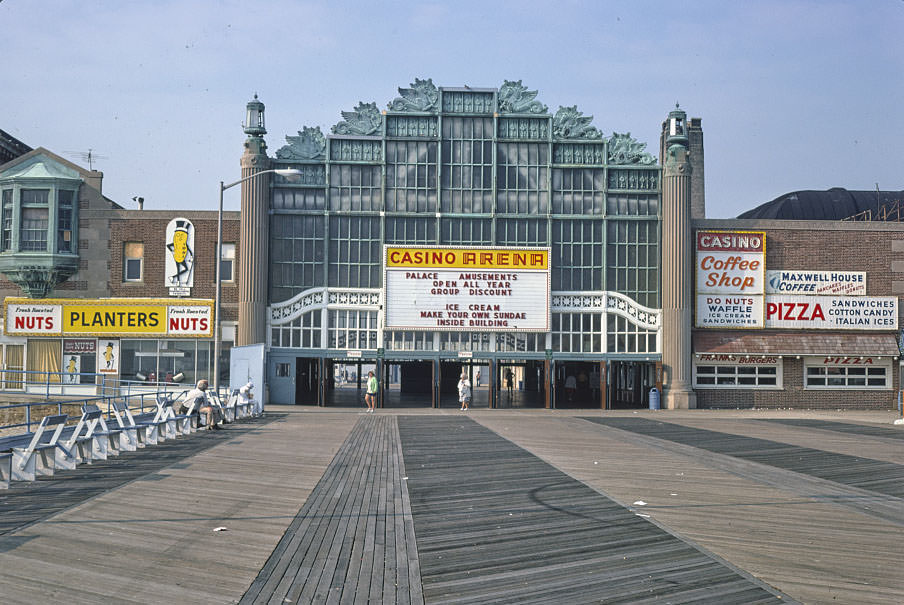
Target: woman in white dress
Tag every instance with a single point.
(464, 391)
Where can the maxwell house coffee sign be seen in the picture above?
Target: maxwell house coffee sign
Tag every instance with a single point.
(730, 279)
(137, 317)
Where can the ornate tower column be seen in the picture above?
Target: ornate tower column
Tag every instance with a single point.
(677, 267)
(254, 230)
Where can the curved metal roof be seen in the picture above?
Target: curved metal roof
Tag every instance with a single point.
(832, 205)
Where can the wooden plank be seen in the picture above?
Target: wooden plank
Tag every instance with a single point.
(496, 524)
(873, 475)
(816, 549)
(342, 547)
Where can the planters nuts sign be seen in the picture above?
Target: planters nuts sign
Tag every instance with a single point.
(731, 279)
(135, 317)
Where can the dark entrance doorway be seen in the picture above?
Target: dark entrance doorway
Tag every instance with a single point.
(408, 384)
(520, 384)
(307, 381)
(578, 385)
(630, 383)
(450, 374)
(346, 381)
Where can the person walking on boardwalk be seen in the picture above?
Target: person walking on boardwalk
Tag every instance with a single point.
(464, 391)
(373, 387)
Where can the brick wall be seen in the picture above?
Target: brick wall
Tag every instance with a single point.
(794, 396)
(149, 228)
(821, 246)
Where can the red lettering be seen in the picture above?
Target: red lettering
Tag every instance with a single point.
(817, 312)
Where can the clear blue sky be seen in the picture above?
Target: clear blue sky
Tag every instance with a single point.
(794, 94)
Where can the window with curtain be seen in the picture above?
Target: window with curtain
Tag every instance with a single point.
(132, 261)
(227, 262)
(44, 357)
(64, 220)
(15, 356)
(33, 232)
(6, 220)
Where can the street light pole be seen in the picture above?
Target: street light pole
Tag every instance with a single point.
(286, 172)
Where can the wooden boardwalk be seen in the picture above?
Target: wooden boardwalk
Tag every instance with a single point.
(495, 524)
(353, 540)
(495, 506)
(873, 475)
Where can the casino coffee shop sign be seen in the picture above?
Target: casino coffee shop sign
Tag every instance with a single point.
(126, 317)
(730, 279)
(473, 289)
(734, 290)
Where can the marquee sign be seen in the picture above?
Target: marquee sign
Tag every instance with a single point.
(474, 289)
(730, 279)
(135, 317)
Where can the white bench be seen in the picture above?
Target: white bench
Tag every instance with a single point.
(166, 418)
(86, 442)
(116, 437)
(6, 463)
(230, 407)
(190, 421)
(41, 459)
(138, 434)
(215, 402)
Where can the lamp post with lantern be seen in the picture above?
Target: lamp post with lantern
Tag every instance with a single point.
(285, 172)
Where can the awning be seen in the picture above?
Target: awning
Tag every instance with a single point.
(772, 342)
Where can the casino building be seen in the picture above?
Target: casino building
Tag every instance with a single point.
(458, 228)
(475, 230)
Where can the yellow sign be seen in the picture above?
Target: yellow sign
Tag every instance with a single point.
(521, 259)
(119, 319)
(142, 317)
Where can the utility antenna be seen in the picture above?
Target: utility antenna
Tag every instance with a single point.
(86, 156)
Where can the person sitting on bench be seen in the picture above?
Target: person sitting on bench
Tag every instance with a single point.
(198, 395)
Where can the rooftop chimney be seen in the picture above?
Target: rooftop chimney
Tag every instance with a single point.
(95, 180)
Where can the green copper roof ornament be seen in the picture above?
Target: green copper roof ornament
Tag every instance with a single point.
(625, 150)
(364, 120)
(569, 123)
(310, 144)
(514, 97)
(422, 96)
